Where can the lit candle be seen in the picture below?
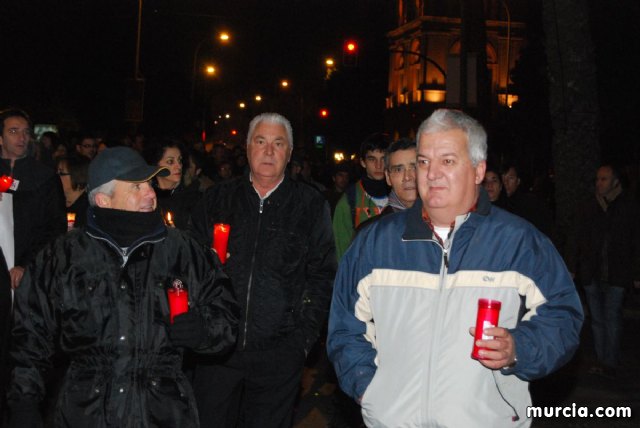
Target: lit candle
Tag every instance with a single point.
(221, 239)
(178, 299)
(169, 221)
(71, 220)
(5, 183)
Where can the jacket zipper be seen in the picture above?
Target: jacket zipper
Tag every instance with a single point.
(444, 268)
(124, 253)
(253, 261)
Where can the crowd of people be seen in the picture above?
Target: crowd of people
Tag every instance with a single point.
(385, 265)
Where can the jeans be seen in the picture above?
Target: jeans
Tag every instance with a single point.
(605, 303)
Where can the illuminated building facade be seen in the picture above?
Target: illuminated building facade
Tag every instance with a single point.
(425, 59)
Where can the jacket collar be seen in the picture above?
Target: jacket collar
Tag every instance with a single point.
(93, 230)
(416, 229)
(276, 193)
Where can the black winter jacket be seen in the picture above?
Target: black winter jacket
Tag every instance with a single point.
(109, 312)
(39, 213)
(282, 258)
(619, 229)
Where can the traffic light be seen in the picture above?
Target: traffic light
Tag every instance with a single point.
(350, 53)
(324, 113)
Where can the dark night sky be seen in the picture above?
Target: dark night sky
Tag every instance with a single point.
(68, 60)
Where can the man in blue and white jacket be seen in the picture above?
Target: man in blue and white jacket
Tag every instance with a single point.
(405, 299)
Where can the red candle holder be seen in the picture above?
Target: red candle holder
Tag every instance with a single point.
(178, 299)
(5, 183)
(488, 315)
(71, 220)
(221, 240)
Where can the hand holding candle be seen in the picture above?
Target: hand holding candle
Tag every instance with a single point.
(221, 240)
(488, 315)
(5, 183)
(178, 299)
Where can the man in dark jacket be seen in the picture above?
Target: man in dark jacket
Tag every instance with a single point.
(102, 293)
(525, 204)
(32, 211)
(604, 253)
(281, 264)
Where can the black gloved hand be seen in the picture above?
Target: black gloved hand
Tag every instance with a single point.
(25, 415)
(188, 330)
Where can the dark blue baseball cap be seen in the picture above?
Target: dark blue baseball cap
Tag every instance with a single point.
(121, 163)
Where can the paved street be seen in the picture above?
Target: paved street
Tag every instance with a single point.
(572, 384)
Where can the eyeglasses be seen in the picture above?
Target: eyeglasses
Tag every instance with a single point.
(401, 169)
(17, 131)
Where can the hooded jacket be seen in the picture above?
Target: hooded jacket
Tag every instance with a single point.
(107, 309)
(403, 304)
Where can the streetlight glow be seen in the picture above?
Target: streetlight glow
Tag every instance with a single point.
(242, 105)
(284, 83)
(210, 69)
(224, 37)
(258, 98)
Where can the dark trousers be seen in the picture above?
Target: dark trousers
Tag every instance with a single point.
(251, 389)
(605, 303)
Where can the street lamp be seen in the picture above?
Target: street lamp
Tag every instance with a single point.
(506, 9)
(330, 65)
(224, 38)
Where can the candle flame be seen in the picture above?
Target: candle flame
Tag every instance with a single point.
(169, 217)
(71, 216)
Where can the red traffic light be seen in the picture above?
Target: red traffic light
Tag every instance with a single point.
(350, 46)
(324, 113)
(350, 53)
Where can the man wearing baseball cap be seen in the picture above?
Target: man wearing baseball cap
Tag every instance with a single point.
(101, 293)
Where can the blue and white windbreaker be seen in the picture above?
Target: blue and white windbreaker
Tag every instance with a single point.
(400, 317)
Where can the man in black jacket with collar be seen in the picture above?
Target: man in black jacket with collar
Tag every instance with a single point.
(101, 293)
(33, 209)
(282, 265)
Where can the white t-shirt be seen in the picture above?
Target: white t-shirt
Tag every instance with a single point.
(7, 242)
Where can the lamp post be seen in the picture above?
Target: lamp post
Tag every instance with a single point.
(134, 89)
(136, 72)
(506, 90)
(425, 59)
(298, 104)
(223, 38)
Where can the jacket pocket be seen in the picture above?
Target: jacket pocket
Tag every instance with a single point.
(83, 402)
(514, 392)
(170, 402)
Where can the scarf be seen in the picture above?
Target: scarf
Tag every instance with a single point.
(375, 188)
(126, 227)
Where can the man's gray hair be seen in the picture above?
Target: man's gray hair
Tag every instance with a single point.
(443, 120)
(273, 118)
(107, 188)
